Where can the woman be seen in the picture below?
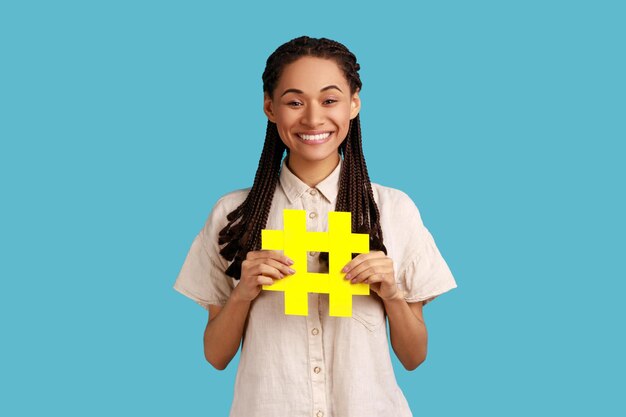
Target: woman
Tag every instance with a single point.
(316, 365)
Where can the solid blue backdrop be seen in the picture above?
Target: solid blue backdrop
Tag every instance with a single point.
(121, 123)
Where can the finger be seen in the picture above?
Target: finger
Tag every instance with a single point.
(379, 271)
(263, 280)
(255, 268)
(263, 266)
(270, 254)
(253, 254)
(267, 271)
(379, 263)
(280, 257)
(368, 275)
(284, 269)
(363, 257)
(371, 278)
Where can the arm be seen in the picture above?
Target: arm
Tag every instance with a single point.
(407, 329)
(224, 330)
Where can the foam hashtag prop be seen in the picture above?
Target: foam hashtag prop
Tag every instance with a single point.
(339, 242)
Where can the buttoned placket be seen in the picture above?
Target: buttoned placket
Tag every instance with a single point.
(313, 206)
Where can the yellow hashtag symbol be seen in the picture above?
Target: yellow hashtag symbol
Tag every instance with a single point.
(339, 242)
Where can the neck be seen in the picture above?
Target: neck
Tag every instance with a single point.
(312, 172)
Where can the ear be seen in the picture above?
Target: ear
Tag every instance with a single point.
(268, 108)
(355, 105)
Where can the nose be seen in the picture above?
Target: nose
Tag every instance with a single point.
(313, 116)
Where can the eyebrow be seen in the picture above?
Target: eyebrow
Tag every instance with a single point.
(295, 90)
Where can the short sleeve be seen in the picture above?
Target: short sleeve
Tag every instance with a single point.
(423, 273)
(202, 277)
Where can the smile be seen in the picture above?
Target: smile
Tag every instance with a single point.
(317, 138)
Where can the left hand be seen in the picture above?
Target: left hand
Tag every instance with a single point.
(376, 269)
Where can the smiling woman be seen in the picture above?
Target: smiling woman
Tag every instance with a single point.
(314, 365)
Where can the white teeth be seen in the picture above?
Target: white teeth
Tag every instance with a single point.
(314, 137)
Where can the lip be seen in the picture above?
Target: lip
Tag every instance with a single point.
(324, 136)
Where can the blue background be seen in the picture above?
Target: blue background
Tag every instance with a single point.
(121, 123)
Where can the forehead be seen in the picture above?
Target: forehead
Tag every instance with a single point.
(310, 74)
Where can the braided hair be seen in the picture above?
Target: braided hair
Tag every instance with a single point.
(243, 231)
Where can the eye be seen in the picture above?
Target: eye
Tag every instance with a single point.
(294, 104)
(330, 101)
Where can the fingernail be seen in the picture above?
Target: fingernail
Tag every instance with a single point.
(291, 271)
(289, 261)
(353, 281)
(281, 275)
(345, 268)
(348, 276)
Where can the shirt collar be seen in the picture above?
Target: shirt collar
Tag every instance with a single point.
(294, 187)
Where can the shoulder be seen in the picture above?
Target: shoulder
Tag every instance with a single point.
(224, 205)
(393, 202)
(230, 201)
(400, 221)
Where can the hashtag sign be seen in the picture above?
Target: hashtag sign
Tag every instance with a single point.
(339, 242)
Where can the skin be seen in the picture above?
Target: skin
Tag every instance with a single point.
(313, 97)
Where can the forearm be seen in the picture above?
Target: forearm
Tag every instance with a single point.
(223, 334)
(409, 337)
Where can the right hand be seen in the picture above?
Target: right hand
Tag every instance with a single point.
(261, 268)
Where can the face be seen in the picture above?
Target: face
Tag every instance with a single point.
(312, 107)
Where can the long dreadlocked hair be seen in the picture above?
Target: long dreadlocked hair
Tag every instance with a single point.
(243, 231)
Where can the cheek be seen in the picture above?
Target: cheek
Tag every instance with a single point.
(342, 116)
(283, 132)
(284, 125)
(285, 119)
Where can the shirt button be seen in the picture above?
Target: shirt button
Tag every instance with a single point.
(320, 413)
(312, 215)
(312, 191)
(317, 369)
(315, 332)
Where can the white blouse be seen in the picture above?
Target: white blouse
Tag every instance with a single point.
(318, 366)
